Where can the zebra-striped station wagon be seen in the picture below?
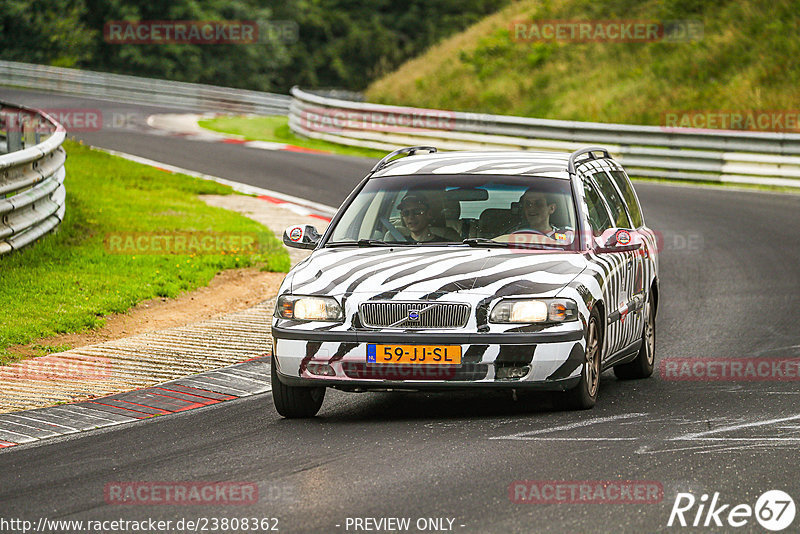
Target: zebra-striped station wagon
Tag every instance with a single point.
(517, 270)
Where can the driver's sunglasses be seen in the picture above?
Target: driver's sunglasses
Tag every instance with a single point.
(532, 203)
(409, 212)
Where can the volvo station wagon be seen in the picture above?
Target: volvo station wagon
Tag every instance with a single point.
(483, 270)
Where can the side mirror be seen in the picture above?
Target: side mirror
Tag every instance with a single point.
(620, 240)
(301, 236)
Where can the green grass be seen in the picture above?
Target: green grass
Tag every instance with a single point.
(748, 59)
(68, 281)
(276, 130)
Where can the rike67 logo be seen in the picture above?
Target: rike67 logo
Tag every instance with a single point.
(774, 510)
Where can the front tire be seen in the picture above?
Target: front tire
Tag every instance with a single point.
(584, 395)
(642, 366)
(295, 402)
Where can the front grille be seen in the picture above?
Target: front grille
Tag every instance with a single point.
(401, 314)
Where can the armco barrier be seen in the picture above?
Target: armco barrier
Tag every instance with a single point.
(646, 151)
(32, 194)
(136, 90)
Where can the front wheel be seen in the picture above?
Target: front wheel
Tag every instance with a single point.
(584, 395)
(642, 366)
(293, 401)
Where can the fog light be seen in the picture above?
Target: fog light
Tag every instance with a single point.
(321, 369)
(510, 373)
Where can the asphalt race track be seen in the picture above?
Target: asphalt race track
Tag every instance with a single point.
(730, 287)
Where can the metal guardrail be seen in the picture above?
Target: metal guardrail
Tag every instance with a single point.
(32, 194)
(646, 151)
(136, 90)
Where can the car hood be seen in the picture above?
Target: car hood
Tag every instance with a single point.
(433, 272)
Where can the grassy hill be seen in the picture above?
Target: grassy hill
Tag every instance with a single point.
(748, 58)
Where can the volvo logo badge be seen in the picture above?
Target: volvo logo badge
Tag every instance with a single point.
(413, 315)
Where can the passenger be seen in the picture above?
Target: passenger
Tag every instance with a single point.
(537, 207)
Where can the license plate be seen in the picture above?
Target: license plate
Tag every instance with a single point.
(414, 354)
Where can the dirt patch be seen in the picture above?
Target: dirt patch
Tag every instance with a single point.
(229, 291)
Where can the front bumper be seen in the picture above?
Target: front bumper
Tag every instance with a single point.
(550, 360)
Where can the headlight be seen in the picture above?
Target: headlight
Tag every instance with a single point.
(534, 311)
(308, 308)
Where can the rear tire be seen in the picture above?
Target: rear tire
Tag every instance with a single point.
(295, 402)
(642, 366)
(584, 395)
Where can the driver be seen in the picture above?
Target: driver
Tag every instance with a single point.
(417, 217)
(538, 207)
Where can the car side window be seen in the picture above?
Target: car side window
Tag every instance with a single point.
(615, 202)
(624, 184)
(598, 214)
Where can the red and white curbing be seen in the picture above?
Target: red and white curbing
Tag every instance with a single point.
(185, 125)
(266, 145)
(196, 391)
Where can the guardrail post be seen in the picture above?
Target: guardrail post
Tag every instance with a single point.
(28, 131)
(13, 141)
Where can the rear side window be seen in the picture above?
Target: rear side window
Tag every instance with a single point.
(598, 215)
(615, 202)
(624, 185)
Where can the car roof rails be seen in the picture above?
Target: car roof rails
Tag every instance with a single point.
(408, 151)
(590, 150)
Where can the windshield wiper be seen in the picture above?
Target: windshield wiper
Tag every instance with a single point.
(363, 243)
(482, 241)
(372, 243)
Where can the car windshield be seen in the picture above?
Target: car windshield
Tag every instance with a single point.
(459, 209)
